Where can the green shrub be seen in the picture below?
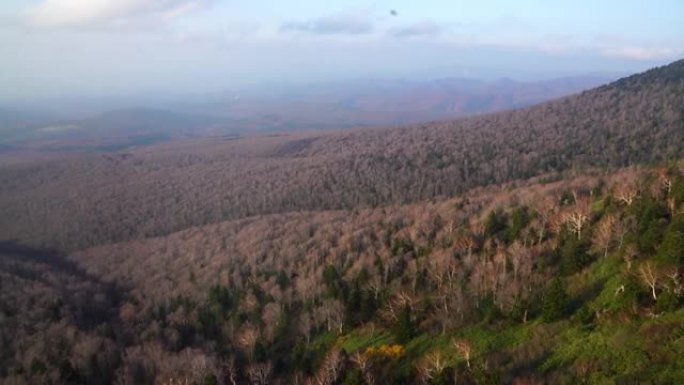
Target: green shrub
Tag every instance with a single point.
(353, 377)
(495, 224)
(566, 199)
(489, 311)
(520, 218)
(574, 254)
(677, 192)
(651, 218)
(585, 316)
(667, 301)
(672, 248)
(404, 328)
(556, 301)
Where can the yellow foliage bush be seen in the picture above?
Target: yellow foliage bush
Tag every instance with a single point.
(394, 351)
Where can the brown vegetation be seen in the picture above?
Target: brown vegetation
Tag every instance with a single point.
(81, 201)
(394, 286)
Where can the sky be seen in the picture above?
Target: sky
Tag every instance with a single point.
(63, 48)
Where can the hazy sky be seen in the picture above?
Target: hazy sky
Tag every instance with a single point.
(54, 48)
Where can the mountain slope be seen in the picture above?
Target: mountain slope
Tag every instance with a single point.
(438, 266)
(94, 199)
(526, 283)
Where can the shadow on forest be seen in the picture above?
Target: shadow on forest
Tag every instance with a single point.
(89, 300)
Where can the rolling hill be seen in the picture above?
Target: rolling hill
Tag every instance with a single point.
(350, 104)
(82, 200)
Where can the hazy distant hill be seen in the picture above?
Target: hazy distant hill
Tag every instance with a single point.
(155, 190)
(14, 123)
(450, 97)
(383, 102)
(310, 107)
(108, 131)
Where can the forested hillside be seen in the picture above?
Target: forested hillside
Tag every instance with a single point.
(75, 201)
(538, 246)
(539, 282)
(205, 192)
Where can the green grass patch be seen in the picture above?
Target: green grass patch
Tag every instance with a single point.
(362, 339)
(323, 342)
(426, 343)
(608, 353)
(486, 339)
(597, 273)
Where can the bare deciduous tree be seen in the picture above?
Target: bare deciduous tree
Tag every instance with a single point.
(604, 235)
(332, 312)
(260, 373)
(464, 348)
(466, 243)
(578, 217)
(649, 274)
(230, 370)
(247, 339)
(330, 369)
(365, 365)
(432, 365)
(626, 193)
(270, 315)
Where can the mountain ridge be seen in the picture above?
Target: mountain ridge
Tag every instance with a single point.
(629, 122)
(336, 106)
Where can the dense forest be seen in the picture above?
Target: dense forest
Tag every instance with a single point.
(539, 282)
(75, 201)
(537, 246)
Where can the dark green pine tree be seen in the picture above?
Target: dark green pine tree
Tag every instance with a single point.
(495, 224)
(556, 301)
(672, 248)
(404, 329)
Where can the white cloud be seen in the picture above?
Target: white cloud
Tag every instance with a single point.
(83, 13)
(640, 53)
(349, 23)
(622, 47)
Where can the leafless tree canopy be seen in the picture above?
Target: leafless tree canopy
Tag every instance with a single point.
(78, 201)
(472, 251)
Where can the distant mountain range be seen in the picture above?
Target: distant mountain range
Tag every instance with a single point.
(360, 103)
